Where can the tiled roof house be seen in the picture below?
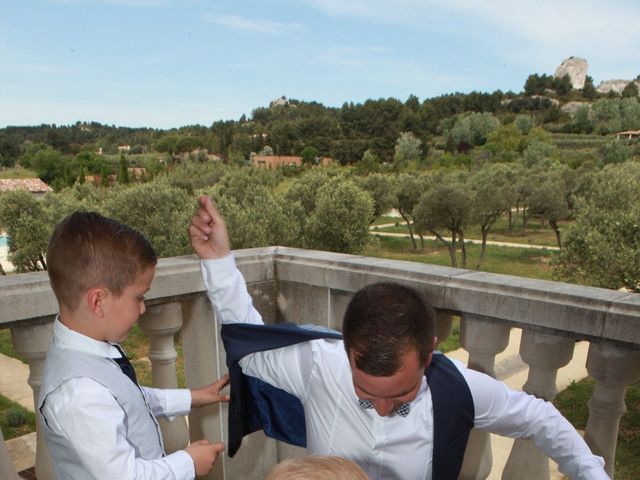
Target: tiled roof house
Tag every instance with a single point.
(32, 185)
(275, 161)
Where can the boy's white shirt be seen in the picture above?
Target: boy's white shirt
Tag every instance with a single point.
(87, 414)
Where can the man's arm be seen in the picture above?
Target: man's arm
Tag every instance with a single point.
(287, 368)
(498, 409)
(225, 285)
(207, 231)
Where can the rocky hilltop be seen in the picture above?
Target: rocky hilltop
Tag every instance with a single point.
(615, 85)
(577, 67)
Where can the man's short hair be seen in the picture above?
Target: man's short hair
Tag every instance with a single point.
(316, 467)
(87, 250)
(385, 320)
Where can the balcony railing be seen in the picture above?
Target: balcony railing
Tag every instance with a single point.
(315, 287)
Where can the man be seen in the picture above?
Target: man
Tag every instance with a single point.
(381, 397)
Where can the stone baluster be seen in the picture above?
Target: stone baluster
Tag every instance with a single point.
(161, 322)
(545, 354)
(613, 368)
(338, 301)
(204, 363)
(443, 326)
(483, 340)
(7, 470)
(31, 342)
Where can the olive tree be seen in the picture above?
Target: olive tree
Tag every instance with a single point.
(340, 220)
(407, 149)
(28, 229)
(382, 191)
(408, 190)
(602, 247)
(446, 206)
(495, 194)
(471, 129)
(549, 200)
(305, 189)
(272, 220)
(159, 212)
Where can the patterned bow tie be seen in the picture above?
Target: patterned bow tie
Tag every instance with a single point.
(402, 410)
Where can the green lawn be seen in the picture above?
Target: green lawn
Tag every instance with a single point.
(572, 403)
(6, 346)
(534, 234)
(523, 262)
(17, 172)
(15, 420)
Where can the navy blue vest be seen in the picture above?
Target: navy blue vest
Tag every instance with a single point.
(257, 405)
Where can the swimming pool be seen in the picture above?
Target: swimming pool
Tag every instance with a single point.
(3, 241)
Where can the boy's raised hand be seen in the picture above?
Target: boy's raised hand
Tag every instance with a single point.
(211, 393)
(208, 233)
(204, 454)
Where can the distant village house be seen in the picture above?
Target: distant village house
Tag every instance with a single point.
(629, 135)
(134, 173)
(275, 161)
(34, 186)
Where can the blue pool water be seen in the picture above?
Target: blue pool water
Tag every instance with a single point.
(3, 241)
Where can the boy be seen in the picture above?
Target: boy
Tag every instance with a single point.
(316, 467)
(98, 423)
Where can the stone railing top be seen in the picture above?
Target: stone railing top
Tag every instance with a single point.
(589, 313)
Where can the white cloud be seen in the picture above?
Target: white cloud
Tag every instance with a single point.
(523, 31)
(252, 25)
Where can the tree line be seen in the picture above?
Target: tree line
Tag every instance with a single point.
(444, 164)
(332, 209)
(343, 133)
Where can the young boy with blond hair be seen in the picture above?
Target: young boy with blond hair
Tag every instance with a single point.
(98, 422)
(316, 467)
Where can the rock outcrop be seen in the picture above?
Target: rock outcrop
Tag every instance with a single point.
(614, 85)
(572, 107)
(576, 68)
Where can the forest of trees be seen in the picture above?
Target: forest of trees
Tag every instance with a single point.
(444, 164)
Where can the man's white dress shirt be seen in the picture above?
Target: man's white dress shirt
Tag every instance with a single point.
(85, 412)
(393, 447)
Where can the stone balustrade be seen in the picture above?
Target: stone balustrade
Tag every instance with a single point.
(315, 287)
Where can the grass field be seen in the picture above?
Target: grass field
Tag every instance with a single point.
(534, 234)
(523, 262)
(572, 403)
(17, 172)
(15, 420)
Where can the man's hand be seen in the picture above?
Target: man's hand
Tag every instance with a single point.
(211, 393)
(208, 233)
(204, 455)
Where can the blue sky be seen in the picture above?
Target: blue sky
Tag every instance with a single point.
(170, 63)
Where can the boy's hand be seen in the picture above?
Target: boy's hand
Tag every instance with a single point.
(211, 393)
(204, 455)
(208, 233)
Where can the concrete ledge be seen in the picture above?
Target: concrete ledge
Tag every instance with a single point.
(594, 314)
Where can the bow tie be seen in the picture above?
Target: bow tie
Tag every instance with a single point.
(402, 410)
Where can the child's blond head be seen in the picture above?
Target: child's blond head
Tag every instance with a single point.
(316, 467)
